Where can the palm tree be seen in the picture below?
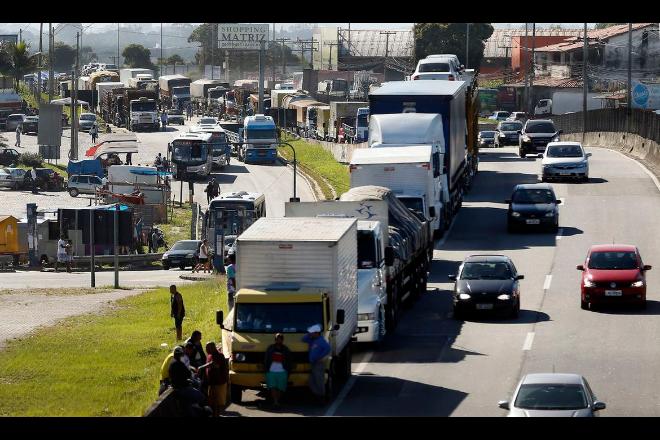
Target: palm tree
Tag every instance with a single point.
(17, 61)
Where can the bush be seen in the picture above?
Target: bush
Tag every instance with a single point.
(31, 159)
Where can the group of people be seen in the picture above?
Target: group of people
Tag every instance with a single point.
(212, 190)
(199, 377)
(161, 163)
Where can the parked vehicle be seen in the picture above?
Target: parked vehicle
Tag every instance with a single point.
(184, 253)
(191, 155)
(101, 89)
(31, 125)
(438, 67)
(372, 239)
(500, 115)
(611, 275)
(507, 133)
(342, 112)
(486, 283)
(260, 138)
(517, 116)
(47, 180)
(199, 91)
(533, 205)
(85, 184)
(9, 156)
(553, 395)
(10, 103)
(126, 74)
(275, 296)
(13, 178)
(86, 121)
(175, 116)
(85, 167)
(14, 120)
(170, 96)
(360, 131)
(454, 103)
(409, 248)
(535, 136)
(413, 173)
(562, 102)
(486, 138)
(565, 160)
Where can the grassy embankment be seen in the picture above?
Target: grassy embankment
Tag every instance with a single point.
(320, 165)
(178, 227)
(105, 364)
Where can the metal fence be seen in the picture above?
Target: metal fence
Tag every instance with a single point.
(642, 122)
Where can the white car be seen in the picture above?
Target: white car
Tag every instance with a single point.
(443, 67)
(84, 184)
(565, 160)
(500, 115)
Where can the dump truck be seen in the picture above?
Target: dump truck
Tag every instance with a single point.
(409, 248)
(342, 112)
(169, 86)
(292, 273)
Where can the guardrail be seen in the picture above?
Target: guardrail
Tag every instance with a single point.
(641, 122)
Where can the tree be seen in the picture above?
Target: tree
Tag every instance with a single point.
(437, 38)
(174, 59)
(17, 61)
(64, 57)
(87, 55)
(136, 55)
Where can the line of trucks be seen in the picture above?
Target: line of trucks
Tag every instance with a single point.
(351, 264)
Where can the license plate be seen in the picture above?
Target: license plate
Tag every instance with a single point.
(613, 293)
(533, 221)
(564, 173)
(484, 306)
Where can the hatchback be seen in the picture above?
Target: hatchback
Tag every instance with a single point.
(499, 115)
(486, 282)
(86, 121)
(535, 136)
(437, 67)
(553, 395)
(533, 205)
(184, 253)
(613, 274)
(12, 177)
(84, 185)
(486, 138)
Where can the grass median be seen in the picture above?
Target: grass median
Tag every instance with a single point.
(103, 364)
(178, 227)
(320, 165)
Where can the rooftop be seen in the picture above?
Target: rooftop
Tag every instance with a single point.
(371, 43)
(499, 44)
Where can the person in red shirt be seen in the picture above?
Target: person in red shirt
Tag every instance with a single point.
(217, 377)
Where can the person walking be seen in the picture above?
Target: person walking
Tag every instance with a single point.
(209, 192)
(18, 136)
(62, 254)
(216, 187)
(189, 112)
(163, 120)
(178, 310)
(230, 270)
(217, 378)
(278, 367)
(129, 158)
(203, 258)
(35, 182)
(94, 132)
(319, 348)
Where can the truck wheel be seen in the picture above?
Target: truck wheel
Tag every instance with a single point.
(236, 393)
(74, 192)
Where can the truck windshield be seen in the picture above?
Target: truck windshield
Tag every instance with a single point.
(278, 318)
(181, 90)
(260, 134)
(362, 120)
(366, 250)
(234, 218)
(144, 106)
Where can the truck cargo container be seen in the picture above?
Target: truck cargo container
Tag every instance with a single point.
(100, 91)
(126, 74)
(342, 112)
(168, 94)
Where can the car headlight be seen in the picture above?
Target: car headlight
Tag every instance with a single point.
(239, 357)
(639, 283)
(504, 297)
(515, 214)
(550, 214)
(502, 135)
(526, 138)
(555, 139)
(366, 316)
(464, 296)
(190, 256)
(164, 257)
(589, 283)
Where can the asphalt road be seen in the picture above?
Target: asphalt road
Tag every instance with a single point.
(434, 365)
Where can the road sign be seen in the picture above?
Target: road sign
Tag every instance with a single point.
(242, 36)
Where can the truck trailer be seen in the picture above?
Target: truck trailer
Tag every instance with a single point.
(342, 112)
(169, 86)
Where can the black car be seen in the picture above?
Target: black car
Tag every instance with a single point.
(486, 283)
(507, 133)
(535, 136)
(31, 124)
(486, 138)
(9, 156)
(184, 253)
(533, 205)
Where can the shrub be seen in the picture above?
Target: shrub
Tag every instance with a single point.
(31, 159)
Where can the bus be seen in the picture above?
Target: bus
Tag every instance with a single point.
(229, 215)
(191, 155)
(220, 147)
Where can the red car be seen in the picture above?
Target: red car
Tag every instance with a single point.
(613, 274)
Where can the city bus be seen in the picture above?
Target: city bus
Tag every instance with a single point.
(219, 145)
(191, 155)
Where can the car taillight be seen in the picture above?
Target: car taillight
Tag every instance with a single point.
(450, 78)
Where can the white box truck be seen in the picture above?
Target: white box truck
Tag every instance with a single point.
(413, 173)
(292, 273)
(126, 74)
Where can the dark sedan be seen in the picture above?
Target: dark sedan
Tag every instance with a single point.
(184, 253)
(486, 283)
(533, 205)
(507, 133)
(486, 138)
(31, 124)
(536, 135)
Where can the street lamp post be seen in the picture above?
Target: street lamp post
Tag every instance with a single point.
(294, 198)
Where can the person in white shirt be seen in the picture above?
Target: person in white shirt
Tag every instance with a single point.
(33, 174)
(203, 257)
(62, 255)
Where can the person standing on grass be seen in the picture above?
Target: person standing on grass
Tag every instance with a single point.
(319, 348)
(178, 310)
(203, 258)
(230, 270)
(217, 378)
(278, 367)
(18, 136)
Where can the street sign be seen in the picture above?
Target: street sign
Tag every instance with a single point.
(242, 36)
(645, 96)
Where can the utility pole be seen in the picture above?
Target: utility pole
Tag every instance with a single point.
(262, 66)
(20, 35)
(387, 40)
(118, 66)
(272, 57)
(532, 67)
(212, 48)
(160, 63)
(467, 46)
(349, 38)
(51, 45)
(305, 45)
(629, 97)
(331, 44)
(41, 32)
(585, 83)
(526, 64)
(74, 104)
(226, 66)
(282, 41)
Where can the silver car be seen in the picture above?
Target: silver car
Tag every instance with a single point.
(565, 160)
(12, 177)
(86, 121)
(553, 395)
(84, 184)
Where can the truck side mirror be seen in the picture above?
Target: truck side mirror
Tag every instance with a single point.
(432, 211)
(340, 316)
(219, 317)
(389, 256)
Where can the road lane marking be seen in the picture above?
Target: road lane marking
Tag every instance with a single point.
(641, 165)
(347, 388)
(548, 280)
(529, 340)
(559, 233)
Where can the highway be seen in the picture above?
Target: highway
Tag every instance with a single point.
(434, 365)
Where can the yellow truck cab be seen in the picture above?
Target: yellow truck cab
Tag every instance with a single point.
(292, 273)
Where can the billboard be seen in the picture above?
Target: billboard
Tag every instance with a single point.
(242, 36)
(11, 38)
(645, 96)
(50, 128)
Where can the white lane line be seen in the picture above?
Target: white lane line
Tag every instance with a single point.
(560, 232)
(529, 340)
(347, 388)
(641, 165)
(548, 280)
